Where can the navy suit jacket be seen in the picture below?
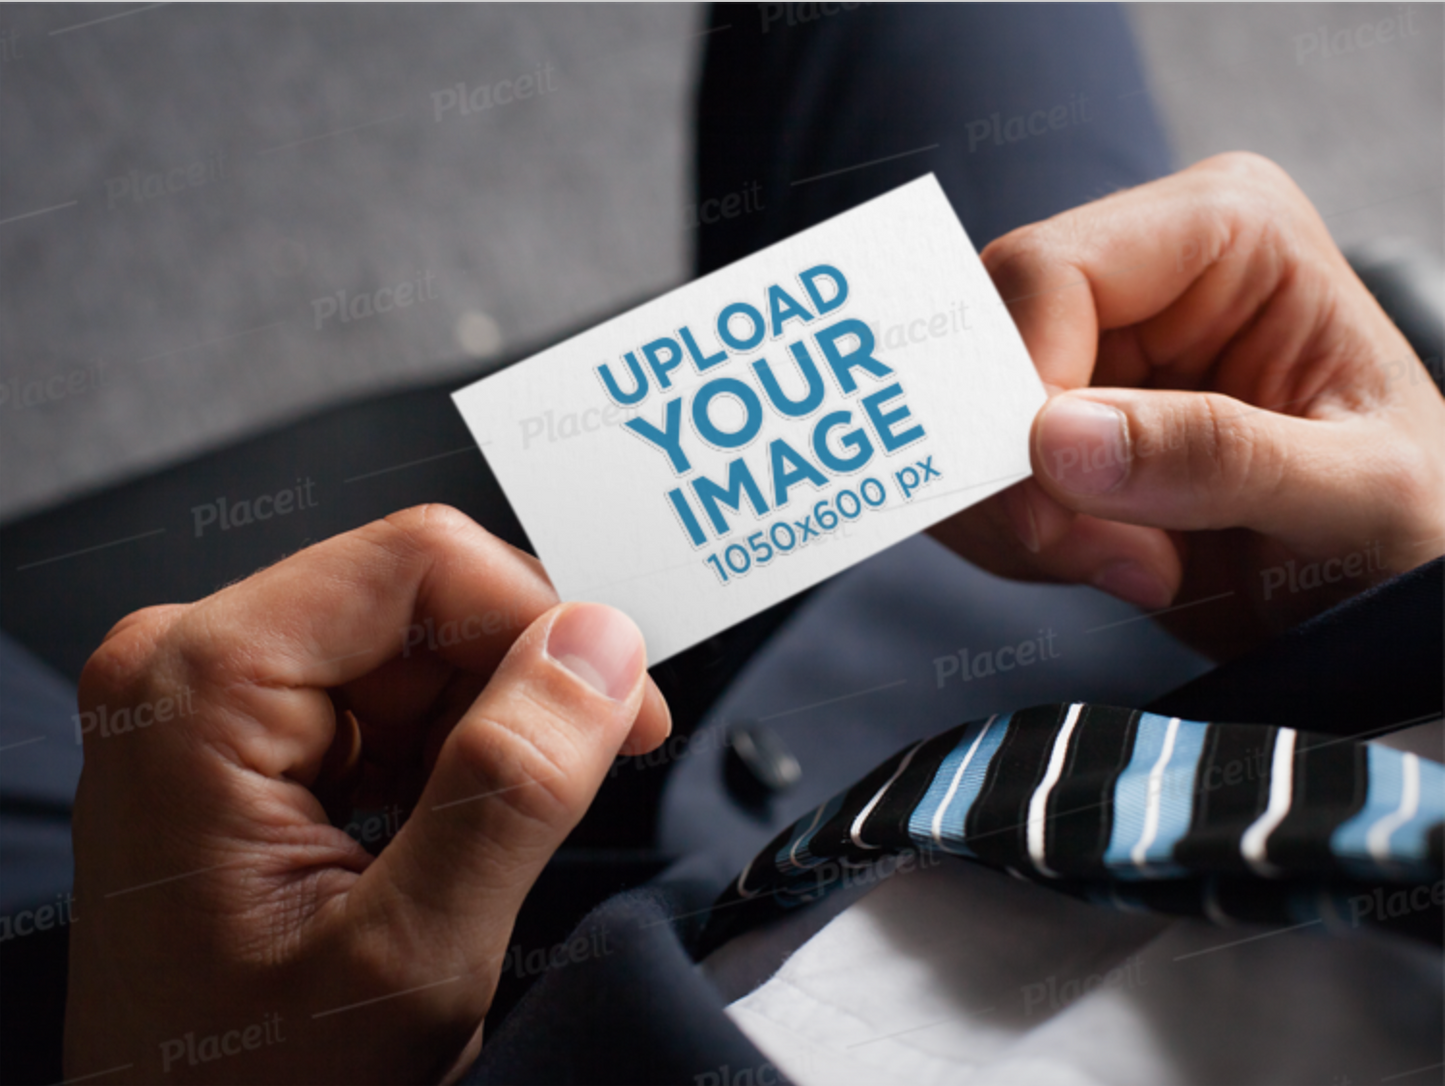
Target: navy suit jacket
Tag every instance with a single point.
(643, 1014)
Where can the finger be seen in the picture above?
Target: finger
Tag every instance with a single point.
(340, 770)
(1137, 564)
(989, 534)
(512, 780)
(1037, 519)
(426, 582)
(1143, 288)
(654, 722)
(1212, 244)
(427, 579)
(1195, 461)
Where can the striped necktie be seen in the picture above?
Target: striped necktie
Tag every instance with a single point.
(1233, 822)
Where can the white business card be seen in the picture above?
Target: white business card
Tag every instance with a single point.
(727, 445)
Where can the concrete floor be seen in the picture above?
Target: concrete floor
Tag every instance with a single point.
(314, 149)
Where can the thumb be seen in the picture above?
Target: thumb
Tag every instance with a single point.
(1197, 461)
(513, 778)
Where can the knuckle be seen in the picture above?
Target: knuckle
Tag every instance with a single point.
(1224, 457)
(1016, 259)
(533, 770)
(383, 951)
(383, 942)
(1212, 443)
(1248, 166)
(431, 523)
(111, 669)
(1409, 478)
(124, 659)
(211, 651)
(1259, 206)
(1013, 244)
(425, 535)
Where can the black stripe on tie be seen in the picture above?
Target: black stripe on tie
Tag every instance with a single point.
(1330, 781)
(888, 824)
(834, 837)
(997, 824)
(1081, 808)
(1231, 791)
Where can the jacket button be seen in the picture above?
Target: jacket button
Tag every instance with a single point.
(758, 764)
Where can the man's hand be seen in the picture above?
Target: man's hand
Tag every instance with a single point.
(224, 928)
(1231, 414)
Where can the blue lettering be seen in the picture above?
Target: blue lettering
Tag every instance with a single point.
(661, 367)
(861, 357)
(885, 421)
(725, 332)
(854, 439)
(753, 410)
(669, 439)
(840, 286)
(740, 483)
(793, 409)
(782, 307)
(639, 380)
(684, 513)
(789, 468)
(702, 363)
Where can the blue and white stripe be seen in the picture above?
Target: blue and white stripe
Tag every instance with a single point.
(941, 816)
(1154, 798)
(1388, 835)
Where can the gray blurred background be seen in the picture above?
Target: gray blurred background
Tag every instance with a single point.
(307, 152)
